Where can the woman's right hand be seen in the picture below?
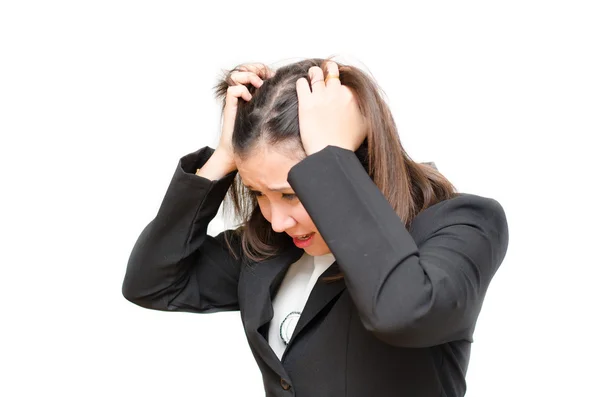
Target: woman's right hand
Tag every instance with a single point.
(238, 79)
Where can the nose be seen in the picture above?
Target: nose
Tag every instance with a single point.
(281, 220)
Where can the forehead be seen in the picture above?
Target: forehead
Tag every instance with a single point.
(267, 167)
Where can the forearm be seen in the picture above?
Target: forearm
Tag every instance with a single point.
(158, 262)
(409, 293)
(217, 167)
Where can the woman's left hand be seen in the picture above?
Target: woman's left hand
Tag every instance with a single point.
(328, 114)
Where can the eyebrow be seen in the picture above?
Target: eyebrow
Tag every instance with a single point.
(271, 188)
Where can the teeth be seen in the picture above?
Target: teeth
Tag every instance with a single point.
(305, 237)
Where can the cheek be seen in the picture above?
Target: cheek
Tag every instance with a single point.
(303, 218)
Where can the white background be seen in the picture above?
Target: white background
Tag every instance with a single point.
(99, 100)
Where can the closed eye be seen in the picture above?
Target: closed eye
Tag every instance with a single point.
(288, 196)
(285, 196)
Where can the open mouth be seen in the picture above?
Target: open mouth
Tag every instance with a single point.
(304, 241)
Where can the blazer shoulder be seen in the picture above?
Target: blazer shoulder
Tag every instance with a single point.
(469, 204)
(482, 212)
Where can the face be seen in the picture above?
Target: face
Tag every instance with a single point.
(265, 173)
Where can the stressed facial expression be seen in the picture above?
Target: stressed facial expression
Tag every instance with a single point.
(265, 173)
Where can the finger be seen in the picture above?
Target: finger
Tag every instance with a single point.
(333, 75)
(237, 91)
(302, 88)
(259, 69)
(317, 81)
(246, 78)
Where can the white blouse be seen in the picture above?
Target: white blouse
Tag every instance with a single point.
(292, 297)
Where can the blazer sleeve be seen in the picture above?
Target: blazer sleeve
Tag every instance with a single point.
(174, 264)
(407, 294)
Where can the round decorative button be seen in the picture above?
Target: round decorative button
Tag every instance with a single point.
(284, 384)
(286, 329)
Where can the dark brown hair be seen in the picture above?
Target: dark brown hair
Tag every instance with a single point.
(271, 117)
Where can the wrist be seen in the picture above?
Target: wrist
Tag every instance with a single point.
(217, 166)
(223, 157)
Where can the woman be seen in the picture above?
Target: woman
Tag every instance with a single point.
(357, 271)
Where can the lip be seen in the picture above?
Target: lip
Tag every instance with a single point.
(303, 243)
(300, 235)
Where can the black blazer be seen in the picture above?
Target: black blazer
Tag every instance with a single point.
(399, 324)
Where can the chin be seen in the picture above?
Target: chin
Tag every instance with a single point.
(317, 251)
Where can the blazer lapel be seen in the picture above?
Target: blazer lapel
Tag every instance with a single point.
(260, 284)
(321, 295)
